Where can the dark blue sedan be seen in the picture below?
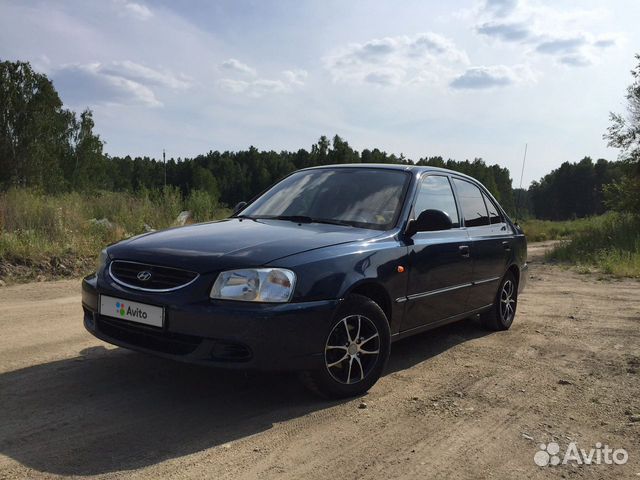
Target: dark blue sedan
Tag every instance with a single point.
(319, 274)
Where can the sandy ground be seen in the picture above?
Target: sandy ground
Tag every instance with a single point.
(456, 402)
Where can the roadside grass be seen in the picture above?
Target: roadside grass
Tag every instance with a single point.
(54, 236)
(541, 230)
(610, 243)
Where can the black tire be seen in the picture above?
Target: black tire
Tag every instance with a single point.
(501, 315)
(360, 366)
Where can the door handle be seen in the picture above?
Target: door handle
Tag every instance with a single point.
(506, 245)
(464, 250)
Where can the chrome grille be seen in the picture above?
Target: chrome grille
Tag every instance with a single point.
(142, 276)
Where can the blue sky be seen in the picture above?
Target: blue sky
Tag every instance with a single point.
(461, 79)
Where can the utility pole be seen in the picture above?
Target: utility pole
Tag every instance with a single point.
(164, 160)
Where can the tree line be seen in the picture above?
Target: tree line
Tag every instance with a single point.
(574, 190)
(47, 147)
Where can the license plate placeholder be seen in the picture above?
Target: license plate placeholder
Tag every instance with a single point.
(130, 311)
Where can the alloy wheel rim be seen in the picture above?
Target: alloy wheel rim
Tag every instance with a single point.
(507, 302)
(352, 349)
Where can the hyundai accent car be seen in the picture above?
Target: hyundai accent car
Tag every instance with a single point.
(319, 274)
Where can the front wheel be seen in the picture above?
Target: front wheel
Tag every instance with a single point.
(356, 350)
(501, 315)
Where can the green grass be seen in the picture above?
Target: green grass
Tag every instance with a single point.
(610, 243)
(54, 235)
(541, 230)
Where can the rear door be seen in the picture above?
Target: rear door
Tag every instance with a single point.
(491, 242)
(440, 266)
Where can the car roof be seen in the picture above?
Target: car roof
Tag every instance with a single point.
(415, 169)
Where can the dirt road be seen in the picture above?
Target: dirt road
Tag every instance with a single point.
(456, 402)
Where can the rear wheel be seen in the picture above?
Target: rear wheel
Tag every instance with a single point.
(356, 350)
(501, 315)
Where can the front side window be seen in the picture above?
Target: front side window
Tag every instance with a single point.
(435, 194)
(474, 210)
(494, 215)
(360, 197)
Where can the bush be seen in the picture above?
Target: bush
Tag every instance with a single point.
(541, 230)
(201, 205)
(38, 229)
(610, 242)
(157, 208)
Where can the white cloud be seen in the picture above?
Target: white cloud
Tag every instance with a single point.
(487, 77)
(394, 60)
(256, 88)
(506, 31)
(259, 87)
(233, 86)
(87, 84)
(385, 77)
(145, 75)
(606, 42)
(576, 60)
(500, 8)
(561, 46)
(134, 9)
(265, 86)
(563, 35)
(432, 44)
(118, 82)
(295, 77)
(236, 66)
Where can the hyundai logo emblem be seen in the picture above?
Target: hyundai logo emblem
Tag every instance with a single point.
(144, 276)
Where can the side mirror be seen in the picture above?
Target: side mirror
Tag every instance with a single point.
(429, 221)
(239, 206)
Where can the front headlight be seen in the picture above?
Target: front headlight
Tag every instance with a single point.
(102, 260)
(272, 285)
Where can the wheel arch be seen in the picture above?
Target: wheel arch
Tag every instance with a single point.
(376, 292)
(515, 269)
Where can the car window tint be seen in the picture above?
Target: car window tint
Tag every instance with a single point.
(494, 215)
(474, 210)
(436, 193)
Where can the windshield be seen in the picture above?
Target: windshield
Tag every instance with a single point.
(361, 197)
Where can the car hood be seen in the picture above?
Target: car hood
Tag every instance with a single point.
(233, 243)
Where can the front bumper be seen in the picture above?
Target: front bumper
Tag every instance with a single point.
(275, 337)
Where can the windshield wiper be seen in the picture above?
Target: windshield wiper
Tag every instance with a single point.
(306, 219)
(331, 221)
(289, 218)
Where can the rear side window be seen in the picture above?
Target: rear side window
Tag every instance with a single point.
(494, 215)
(473, 208)
(435, 193)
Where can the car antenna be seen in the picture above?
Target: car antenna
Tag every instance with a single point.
(524, 159)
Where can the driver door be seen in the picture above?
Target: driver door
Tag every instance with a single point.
(440, 267)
